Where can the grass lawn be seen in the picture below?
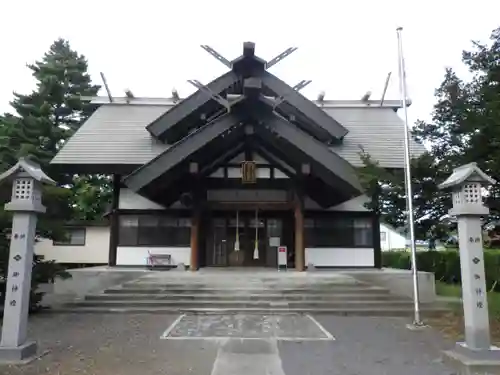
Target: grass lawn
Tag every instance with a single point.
(452, 325)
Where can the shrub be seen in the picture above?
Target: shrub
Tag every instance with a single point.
(44, 272)
(445, 264)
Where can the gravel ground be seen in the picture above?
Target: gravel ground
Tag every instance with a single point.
(131, 344)
(367, 346)
(113, 345)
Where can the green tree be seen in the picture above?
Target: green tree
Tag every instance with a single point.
(464, 128)
(42, 122)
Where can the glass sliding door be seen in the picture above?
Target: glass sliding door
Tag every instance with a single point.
(244, 239)
(217, 245)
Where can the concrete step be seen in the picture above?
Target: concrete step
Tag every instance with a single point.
(239, 296)
(232, 286)
(187, 303)
(183, 281)
(236, 290)
(426, 311)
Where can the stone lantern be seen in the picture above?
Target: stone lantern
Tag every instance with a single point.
(466, 184)
(26, 202)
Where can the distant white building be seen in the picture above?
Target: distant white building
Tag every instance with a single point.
(391, 238)
(86, 244)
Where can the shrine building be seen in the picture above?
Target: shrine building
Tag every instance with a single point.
(240, 167)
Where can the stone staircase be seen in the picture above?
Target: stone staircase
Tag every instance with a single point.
(167, 292)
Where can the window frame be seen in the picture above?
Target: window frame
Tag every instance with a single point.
(68, 243)
(320, 230)
(142, 235)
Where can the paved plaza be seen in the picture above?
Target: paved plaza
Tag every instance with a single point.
(121, 344)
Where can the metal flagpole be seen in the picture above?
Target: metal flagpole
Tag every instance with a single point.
(256, 249)
(409, 190)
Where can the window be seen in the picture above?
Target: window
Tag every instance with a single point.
(154, 230)
(74, 237)
(338, 232)
(363, 236)
(383, 236)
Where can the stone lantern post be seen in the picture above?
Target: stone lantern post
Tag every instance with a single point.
(27, 179)
(466, 183)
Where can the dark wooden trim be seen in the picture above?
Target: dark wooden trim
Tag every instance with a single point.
(303, 105)
(249, 206)
(176, 212)
(114, 220)
(235, 183)
(180, 152)
(153, 246)
(298, 119)
(313, 214)
(89, 168)
(174, 124)
(336, 171)
(223, 159)
(275, 162)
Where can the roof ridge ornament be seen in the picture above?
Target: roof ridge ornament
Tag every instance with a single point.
(217, 55)
(280, 57)
(248, 50)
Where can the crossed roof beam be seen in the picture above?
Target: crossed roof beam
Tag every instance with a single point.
(249, 72)
(248, 50)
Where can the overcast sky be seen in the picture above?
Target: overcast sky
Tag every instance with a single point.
(345, 47)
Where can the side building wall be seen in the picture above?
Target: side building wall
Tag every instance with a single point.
(94, 248)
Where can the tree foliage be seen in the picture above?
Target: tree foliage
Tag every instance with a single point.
(42, 122)
(464, 127)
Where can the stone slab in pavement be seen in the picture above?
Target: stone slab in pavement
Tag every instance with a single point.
(132, 344)
(280, 327)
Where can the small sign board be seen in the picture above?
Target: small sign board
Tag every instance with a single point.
(282, 256)
(274, 241)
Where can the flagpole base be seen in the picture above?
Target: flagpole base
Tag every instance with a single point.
(416, 326)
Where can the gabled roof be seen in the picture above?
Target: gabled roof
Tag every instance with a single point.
(115, 136)
(243, 122)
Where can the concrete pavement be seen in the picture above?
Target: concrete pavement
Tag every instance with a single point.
(228, 344)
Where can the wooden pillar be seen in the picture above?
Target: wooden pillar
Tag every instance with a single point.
(195, 238)
(299, 233)
(377, 248)
(114, 222)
